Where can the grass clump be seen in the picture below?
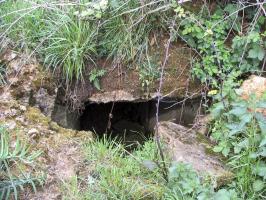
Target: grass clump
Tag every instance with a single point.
(70, 37)
(115, 173)
(71, 46)
(121, 176)
(13, 162)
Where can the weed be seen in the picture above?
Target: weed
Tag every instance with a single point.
(11, 158)
(71, 46)
(94, 77)
(148, 73)
(185, 183)
(239, 131)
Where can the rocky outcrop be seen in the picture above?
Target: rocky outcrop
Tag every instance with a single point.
(26, 102)
(253, 85)
(27, 82)
(185, 145)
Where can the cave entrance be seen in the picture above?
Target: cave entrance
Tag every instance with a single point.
(126, 121)
(133, 123)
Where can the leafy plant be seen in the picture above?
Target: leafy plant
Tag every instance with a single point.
(208, 36)
(254, 45)
(239, 131)
(95, 74)
(185, 183)
(148, 74)
(11, 158)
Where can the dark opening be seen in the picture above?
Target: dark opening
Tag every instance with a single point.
(127, 121)
(134, 122)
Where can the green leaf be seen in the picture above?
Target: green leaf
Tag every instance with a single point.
(261, 104)
(262, 152)
(222, 194)
(260, 170)
(262, 122)
(263, 142)
(235, 128)
(246, 118)
(238, 111)
(258, 185)
(256, 52)
(96, 84)
(217, 109)
(226, 151)
(241, 145)
(217, 149)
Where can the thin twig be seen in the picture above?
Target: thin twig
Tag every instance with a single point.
(157, 136)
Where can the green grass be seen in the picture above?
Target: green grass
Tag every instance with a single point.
(71, 47)
(66, 40)
(13, 162)
(114, 173)
(121, 175)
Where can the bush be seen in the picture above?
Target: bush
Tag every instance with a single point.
(239, 130)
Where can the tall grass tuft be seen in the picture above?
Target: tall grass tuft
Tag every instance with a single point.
(71, 46)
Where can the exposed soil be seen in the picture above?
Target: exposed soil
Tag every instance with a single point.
(122, 83)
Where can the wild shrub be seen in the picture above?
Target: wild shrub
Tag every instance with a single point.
(221, 45)
(239, 130)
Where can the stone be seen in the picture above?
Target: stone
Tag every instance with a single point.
(22, 108)
(106, 97)
(185, 145)
(11, 125)
(44, 101)
(28, 83)
(33, 133)
(11, 55)
(64, 117)
(255, 85)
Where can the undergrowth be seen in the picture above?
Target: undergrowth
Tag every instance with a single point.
(239, 130)
(228, 44)
(13, 162)
(71, 37)
(114, 173)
